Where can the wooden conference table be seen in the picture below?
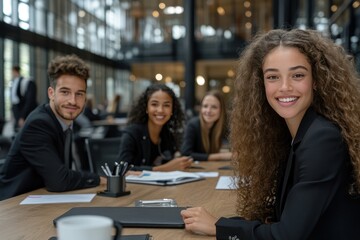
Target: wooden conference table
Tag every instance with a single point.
(36, 221)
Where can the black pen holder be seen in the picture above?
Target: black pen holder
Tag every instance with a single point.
(116, 187)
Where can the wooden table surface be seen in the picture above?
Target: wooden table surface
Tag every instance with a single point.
(36, 221)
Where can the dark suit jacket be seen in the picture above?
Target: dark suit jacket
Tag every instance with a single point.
(192, 143)
(135, 146)
(313, 200)
(36, 159)
(27, 101)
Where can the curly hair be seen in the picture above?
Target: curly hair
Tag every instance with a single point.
(260, 138)
(67, 65)
(138, 113)
(212, 144)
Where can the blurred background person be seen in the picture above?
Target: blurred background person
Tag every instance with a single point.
(205, 134)
(90, 112)
(23, 97)
(114, 108)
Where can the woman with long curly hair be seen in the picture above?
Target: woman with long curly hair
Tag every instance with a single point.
(204, 134)
(295, 140)
(153, 134)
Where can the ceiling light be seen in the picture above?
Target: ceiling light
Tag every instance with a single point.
(162, 5)
(173, 10)
(220, 11)
(200, 80)
(155, 14)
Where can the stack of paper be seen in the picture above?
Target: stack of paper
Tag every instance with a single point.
(57, 198)
(164, 178)
(226, 182)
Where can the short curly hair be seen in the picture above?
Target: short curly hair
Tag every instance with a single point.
(67, 65)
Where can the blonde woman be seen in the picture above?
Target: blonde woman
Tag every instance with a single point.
(205, 134)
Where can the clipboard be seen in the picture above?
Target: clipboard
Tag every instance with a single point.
(142, 217)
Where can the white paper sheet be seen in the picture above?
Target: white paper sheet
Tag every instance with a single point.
(208, 174)
(57, 198)
(226, 182)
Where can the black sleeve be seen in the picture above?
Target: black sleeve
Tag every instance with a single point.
(40, 147)
(131, 152)
(319, 168)
(188, 147)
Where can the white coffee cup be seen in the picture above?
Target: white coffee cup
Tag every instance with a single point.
(87, 227)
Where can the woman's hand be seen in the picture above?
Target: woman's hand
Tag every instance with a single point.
(135, 173)
(221, 156)
(199, 221)
(179, 163)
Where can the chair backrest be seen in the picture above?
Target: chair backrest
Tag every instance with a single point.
(5, 144)
(101, 151)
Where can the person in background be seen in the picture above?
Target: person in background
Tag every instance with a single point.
(90, 112)
(114, 109)
(204, 134)
(23, 97)
(38, 156)
(153, 134)
(295, 140)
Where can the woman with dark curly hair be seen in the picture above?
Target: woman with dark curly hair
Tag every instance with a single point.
(295, 141)
(154, 132)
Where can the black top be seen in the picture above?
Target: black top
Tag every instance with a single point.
(313, 200)
(192, 143)
(36, 159)
(136, 147)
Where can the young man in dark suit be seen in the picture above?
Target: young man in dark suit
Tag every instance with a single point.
(38, 156)
(23, 97)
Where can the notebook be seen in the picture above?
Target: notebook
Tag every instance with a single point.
(164, 178)
(144, 217)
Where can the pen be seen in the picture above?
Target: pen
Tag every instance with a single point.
(106, 173)
(114, 168)
(121, 166)
(125, 168)
(117, 170)
(108, 169)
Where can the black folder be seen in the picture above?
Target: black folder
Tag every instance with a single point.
(142, 217)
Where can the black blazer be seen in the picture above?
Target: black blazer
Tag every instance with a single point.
(27, 101)
(192, 143)
(135, 146)
(313, 200)
(36, 159)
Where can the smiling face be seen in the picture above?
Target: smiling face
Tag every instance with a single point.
(68, 98)
(159, 108)
(210, 110)
(288, 84)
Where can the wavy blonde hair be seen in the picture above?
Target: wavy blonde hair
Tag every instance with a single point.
(259, 137)
(212, 141)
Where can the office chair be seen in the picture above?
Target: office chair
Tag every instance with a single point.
(101, 151)
(5, 144)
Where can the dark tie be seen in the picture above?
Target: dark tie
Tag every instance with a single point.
(67, 150)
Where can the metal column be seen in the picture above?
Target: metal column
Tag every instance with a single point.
(189, 54)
